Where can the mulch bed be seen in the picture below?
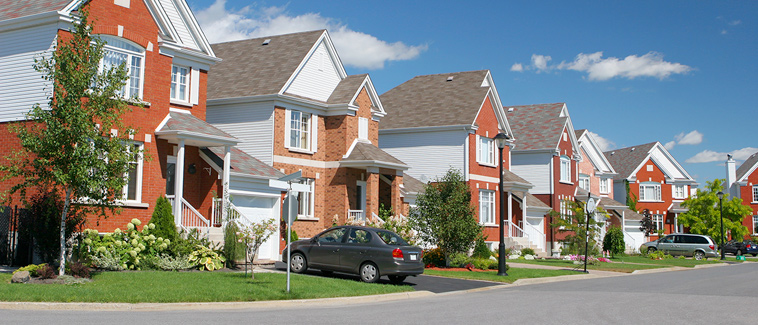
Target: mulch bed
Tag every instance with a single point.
(456, 269)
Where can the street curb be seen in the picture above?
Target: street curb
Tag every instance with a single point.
(339, 301)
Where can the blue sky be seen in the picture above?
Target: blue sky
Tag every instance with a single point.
(679, 72)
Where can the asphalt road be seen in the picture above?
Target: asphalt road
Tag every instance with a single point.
(717, 295)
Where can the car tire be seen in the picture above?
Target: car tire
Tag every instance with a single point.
(698, 255)
(369, 272)
(754, 255)
(397, 279)
(738, 253)
(651, 249)
(298, 263)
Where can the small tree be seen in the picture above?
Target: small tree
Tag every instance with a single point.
(631, 198)
(704, 217)
(646, 224)
(574, 225)
(163, 219)
(614, 241)
(444, 217)
(253, 237)
(69, 146)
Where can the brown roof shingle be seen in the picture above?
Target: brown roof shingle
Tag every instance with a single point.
(346, 89)
(250, 68)
(188, 122)
(747, 165)
(432, 100)
(369, 152)
(242, 163)
(536, 126)
(626, 160)
(10, 9)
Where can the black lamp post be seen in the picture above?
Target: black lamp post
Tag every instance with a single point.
(721, 212)
(501, 139)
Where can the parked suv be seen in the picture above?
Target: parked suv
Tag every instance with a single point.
(698, 246)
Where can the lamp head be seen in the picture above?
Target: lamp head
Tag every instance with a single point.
(720, 195)
(501, 139)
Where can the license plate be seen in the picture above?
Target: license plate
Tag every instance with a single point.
(413, 257)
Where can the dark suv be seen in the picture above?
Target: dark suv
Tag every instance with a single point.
(740, 247)
(697, 246)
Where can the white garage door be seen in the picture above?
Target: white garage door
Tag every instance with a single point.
(258, 209)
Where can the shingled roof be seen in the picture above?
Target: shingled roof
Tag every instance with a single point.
(626, 160)
(435, 100)
(346, 89)
(250, 68)
(369, 153)
(10, 9)
(242, 163)
(747, 166)
(537, 126)
(412, 185)
(188, 122)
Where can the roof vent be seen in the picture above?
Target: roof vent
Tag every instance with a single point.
(450, 78)
(613, 153)
(510, 109)
(266, 41)
(633, 149)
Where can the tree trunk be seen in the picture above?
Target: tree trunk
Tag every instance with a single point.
(64, 214)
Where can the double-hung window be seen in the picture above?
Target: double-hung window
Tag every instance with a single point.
(118, 51)
(584, 182)
(755, 193)
(299, 130)
(604, 188)
(180, 79)
(657, 222)
(487, 207)
(650, 191)
(679, 191)
(305, 200)
(755, 224)
(485, 153)
(565, 169)
(132, 190)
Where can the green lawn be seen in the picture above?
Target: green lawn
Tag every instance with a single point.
(676, 261)
(147, 286)
(513, 274)
(626, 264)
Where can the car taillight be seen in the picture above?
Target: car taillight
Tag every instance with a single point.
(397, 253)
(711, 247)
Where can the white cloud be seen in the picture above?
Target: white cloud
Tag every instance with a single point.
(735, 22)
(707, 156)
(670, 145)
(600, 69)
(723, 32)
(692, 138)
(603, 143)
(356, 49)
(518, 67)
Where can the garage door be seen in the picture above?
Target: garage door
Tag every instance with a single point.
(258, 209)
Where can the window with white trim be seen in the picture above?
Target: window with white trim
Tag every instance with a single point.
(679, 191)
(117, 51)
(485, 153)
(584, 182)
(604, 188)
(565, 169)
(305, 200)
(487, 207)
(363, 128)
(133, 189)
(755, 224)
(650, 191)
(180, 79)
(755, 193)
(299, 130)
(657, 222)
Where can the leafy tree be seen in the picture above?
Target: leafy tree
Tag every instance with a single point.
(646, 224)
(444, 216)
(704, 216)
(68, 146)
(574, 225)
(614, 241)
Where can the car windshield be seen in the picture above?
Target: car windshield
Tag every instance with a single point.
(391, 238)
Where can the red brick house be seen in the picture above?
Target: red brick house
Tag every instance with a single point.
(657, 181)
(743, 183)
(168, 60)
(294, 108)
(442, 121)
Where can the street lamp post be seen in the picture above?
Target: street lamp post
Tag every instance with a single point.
(501, 140)
(721, 212)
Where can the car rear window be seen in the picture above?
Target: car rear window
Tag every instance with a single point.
(391, 238)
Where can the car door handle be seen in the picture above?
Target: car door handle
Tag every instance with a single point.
(336, 250)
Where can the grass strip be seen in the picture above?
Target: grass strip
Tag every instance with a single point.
(612, 267)
(513, 274)
(165, 287)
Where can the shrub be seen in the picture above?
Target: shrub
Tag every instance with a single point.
(206, 258)
(45, 209)
(434, 257)
(187, 242)
(527, 251)
(122, 249)
(167, 262)
(233, 249)
(659, 255)
(47, 272)
(77, 270)
(481, 250)
(614, 241)
(163, 219)
(32, 268)
(460, 260)
(484, 263)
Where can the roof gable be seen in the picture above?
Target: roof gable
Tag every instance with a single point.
(552, 120)
(628, 161)
(747, 168)
(318, 73)
(590, 147)
(348, 89)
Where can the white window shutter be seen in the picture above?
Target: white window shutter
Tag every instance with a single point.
(478, 154)
(194, 86)
(314, 132)
(287, 123)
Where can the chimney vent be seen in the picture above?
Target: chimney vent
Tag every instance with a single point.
(266, 41)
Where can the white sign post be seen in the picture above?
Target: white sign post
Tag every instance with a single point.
(591, 205)
(290, 208)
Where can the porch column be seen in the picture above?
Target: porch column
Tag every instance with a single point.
(179, 185)
(510, 213)
(397, 201)
(372, 192)
(225, 180)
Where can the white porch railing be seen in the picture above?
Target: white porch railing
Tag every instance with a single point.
(629, 237)
(356, 215)
(515, 231)
(217, 211)
(189, 217)
(541, 236)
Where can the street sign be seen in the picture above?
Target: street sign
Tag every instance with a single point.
(290, 208)
(591, 205)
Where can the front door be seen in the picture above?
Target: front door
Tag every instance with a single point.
(170, 175)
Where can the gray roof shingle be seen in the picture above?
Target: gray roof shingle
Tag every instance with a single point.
(10, 9)
(626, 160)
(369, 152)
(537, 126)
(412, 185)
(250, 68)
(747, 165)
(242, 163)
(531, 200)
(346, 89)
(188, 122)
(432, 100)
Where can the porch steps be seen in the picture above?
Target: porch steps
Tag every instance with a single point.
(523, 242)
(216, 236)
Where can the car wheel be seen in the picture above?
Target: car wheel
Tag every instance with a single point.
(651, 249)
(699, 255)
(327, 272)
(298, 264)
(369, 272)
(738, 253)
(397, 279)
(754, 255)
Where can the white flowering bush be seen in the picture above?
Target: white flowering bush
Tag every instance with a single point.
(130, 249)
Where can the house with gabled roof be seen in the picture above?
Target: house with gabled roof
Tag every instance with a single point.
(293, 107)
(743, 183)
(546, 154)
(448, 120)
(168, 58)
(655, 180)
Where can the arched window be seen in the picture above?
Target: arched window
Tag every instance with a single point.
(117, 51)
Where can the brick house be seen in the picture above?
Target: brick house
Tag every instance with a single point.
(743, 183)
(546, 154)
(294, 108)
(657, 181)
(442, 121)
(168, 60)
